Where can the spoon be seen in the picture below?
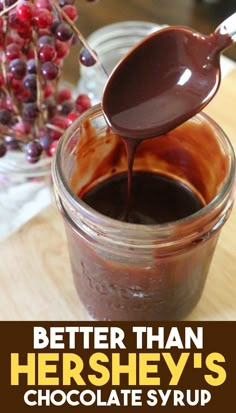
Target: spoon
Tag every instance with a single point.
(166, 79)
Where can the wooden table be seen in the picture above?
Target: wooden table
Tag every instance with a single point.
(35, 276)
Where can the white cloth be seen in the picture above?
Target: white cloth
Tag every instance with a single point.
(21, 202)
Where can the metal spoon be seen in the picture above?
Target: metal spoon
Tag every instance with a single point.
(167, 78)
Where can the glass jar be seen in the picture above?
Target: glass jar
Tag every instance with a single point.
(111, 43)
(25, 189)
(126, 271)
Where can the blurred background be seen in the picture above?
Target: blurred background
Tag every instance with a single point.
(202, 15)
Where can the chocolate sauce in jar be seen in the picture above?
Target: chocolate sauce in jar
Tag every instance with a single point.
(180, 156)
(155, 199)
(149, 271)
(140, 271)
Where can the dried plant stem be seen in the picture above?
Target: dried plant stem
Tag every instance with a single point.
(19, 136)
(56, 87)
(42, 113)
(54, 127)
(79, 34)
(7, 89)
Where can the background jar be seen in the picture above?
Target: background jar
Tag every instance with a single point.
(25, 189)
(126, 271)
(111, 43)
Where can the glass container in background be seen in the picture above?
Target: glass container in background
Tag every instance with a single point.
(111, 43)
(25, 189)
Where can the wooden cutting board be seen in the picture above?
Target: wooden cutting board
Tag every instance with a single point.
(35, 277)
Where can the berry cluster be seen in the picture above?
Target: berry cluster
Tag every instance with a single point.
(35, 38)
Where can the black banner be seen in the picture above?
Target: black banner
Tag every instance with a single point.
(54, 366)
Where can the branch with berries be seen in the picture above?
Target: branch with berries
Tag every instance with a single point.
(35, 38)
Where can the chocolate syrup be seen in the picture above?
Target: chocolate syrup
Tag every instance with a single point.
(165, 80)
(117, 276)
(155, 199)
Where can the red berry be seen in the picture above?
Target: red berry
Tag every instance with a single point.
(25, 11)
(11, 142)
(86, 58)
(82, 103)
(48, 90)
(52, 148)
(16, 84)
(63, 32)
(70, 11)
(30, 82)
(14, 38)
(49, 70)
(64, 94)
(9, 104)
(30, 111)
(23, 95)
(43, 4)
(58, 62)
(45, 39)
(66, 107)
(43, 18)
(17, 68)
(22, 27)
(31, 66)
(44, 32)
(22, 127)
(5, 116)
(13, 20)
(30, 54)
(59, 121)
(71, 117)
(47, 53)
(33, 149)
(13, 51)
(45, 141)
(62, 49)
(27, 34)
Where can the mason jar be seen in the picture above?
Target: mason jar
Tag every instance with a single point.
(25, 189)
(125, 271)
(111, 43)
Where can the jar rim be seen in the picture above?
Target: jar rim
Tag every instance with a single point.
(109, 31)
(140, 231)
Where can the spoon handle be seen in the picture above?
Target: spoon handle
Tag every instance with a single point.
(228, 27)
